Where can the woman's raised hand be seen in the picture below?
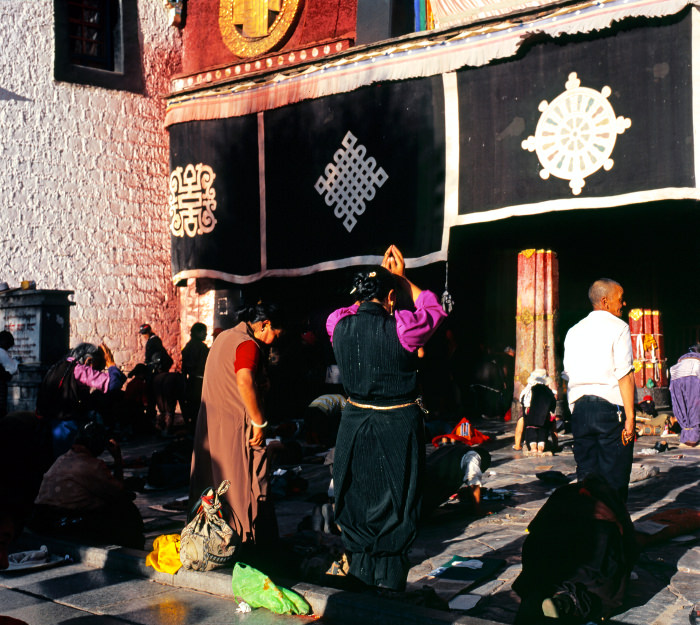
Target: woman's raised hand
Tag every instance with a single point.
(109, 358)
(393, 261)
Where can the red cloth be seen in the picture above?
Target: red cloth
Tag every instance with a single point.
(463, 433)
(678, 521)
(247, 356)
(320, 21)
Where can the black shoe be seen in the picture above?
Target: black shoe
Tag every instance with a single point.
(559, 606)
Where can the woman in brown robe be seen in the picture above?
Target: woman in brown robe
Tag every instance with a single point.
(229, 436)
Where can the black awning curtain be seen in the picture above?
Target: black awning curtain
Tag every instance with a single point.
(349, 174)
(332, 181)
(648, 72)
(344, 176)
(215, 198)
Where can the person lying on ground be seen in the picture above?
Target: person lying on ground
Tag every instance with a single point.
(577, 557)
(455, 468)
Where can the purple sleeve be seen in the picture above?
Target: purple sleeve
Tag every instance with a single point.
(87, 376)
(336, 316)
(116, 378)
(415, 327)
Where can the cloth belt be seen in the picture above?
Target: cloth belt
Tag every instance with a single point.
(373, 407)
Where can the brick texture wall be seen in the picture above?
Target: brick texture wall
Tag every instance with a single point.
(84, 181)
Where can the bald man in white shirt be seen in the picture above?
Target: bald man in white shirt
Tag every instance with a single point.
(598, 367)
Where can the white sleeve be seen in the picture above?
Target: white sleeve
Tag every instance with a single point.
(9, 363)
(471, 465)
(622, 354)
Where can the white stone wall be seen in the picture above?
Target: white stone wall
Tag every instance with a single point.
(197, 303)
(84, 182)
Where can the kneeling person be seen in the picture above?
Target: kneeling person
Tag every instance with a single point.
(79, 496)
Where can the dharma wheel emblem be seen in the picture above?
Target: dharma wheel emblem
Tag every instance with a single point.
(576, 134)
(253, 27)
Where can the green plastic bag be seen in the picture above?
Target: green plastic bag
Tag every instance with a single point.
(259, 591)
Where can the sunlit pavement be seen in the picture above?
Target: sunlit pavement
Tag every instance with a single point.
(109, 581)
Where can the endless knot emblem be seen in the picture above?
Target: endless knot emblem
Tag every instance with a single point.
(576, 134)
(351, 181)
(192, 200)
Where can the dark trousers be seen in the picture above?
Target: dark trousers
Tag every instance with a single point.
(444, 475)
(534, 434)
(598, 448)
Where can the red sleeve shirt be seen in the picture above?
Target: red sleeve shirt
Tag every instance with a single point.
(247, 356)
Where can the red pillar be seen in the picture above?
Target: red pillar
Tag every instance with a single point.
(536, 316)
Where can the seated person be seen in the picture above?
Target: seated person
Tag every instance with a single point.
(538, 418)
(322, 418)
(80, 497)
(487, 395)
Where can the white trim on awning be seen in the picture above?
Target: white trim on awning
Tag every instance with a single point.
(579, 203)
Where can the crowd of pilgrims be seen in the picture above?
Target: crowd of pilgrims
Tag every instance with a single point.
(270, 392)
(87, 406)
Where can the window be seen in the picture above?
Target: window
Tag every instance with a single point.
(90, 32)
(97, 43)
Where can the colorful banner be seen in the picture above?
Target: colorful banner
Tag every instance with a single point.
(453, 12)
(581, 122)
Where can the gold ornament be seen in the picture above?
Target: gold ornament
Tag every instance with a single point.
(636, 314)
(526, 317)
(253, 27)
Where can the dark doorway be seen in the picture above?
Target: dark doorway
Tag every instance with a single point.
(651, 249)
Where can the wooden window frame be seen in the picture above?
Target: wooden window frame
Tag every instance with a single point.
(119, 67)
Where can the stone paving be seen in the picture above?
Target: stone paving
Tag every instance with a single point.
(76, 594)
(663, 591)
(666, 580)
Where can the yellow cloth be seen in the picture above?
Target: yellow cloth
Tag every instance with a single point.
(165, 556)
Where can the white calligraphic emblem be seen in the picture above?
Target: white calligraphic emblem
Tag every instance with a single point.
(192, 200)
(350, 181)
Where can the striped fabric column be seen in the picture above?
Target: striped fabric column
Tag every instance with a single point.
(536, 316)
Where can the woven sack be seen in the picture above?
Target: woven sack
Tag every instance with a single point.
(208, 542)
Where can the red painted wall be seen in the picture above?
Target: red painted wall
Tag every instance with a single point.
(320, 21)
